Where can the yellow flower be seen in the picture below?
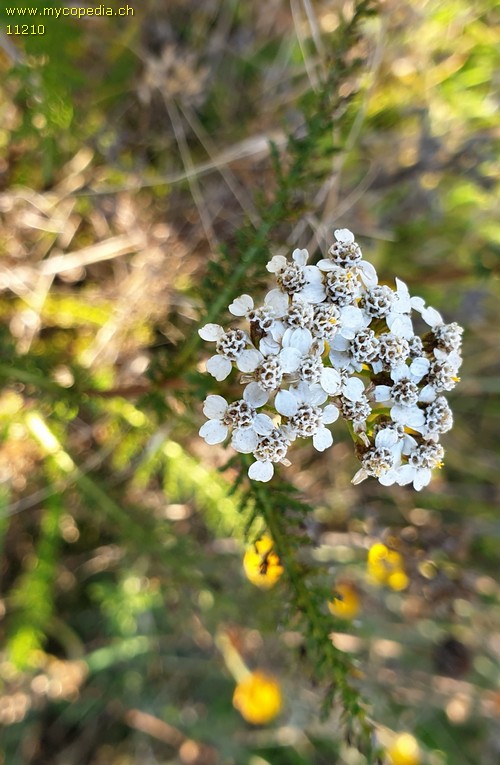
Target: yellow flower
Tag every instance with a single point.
(261, 565)
(345, 605)
(404, 750)
(258, 698)
(386, 566)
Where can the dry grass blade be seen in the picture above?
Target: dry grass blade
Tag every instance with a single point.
(111, 248)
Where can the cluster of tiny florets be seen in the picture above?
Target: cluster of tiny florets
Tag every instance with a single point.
(331, 341)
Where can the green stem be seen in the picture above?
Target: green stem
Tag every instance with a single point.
(319, 631)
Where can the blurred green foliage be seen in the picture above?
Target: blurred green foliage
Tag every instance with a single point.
(148, 168)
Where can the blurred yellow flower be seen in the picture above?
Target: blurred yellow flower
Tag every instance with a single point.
(345, 604)
(261, 565)
(258, 698)
(386, 566)
(404, 750)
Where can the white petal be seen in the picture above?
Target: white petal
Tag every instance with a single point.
(213, 431)
(344, 235)
(400, 324)
(403, 302)
(254, 395)
(427, 394)
(353, 317)
(244, 440)
(268, 346)
(330, 414)
(419, 368)
(361, 475)
(409, 444)
(211, 332)
(313, 394)
(386, 438)
(219, 367)
(326, 265)
(330, 381)
(300, 257)
(417, 303)
(277, 300)
(285, 403)
(432, 317)
(368, 273)
(453, 358)
(289, 433)
(340, 360)
(302, 392)
(402, 290)
(241, 305)
(387, 479)
(313, 293)
(322, 439)
(290, 359)
(339, 343)
(249, 360)
(411, 416)
(214, 407)
(276, 264)
(405, 474)
(313, 275)
(262, 424)
(353, 389)
(261, 471)
(422, 478)
(400, 372)
(298, 338)
(382, 393)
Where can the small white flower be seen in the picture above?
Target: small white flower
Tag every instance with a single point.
(268, 370)
(356, 412)
(231, 347)
(421, 461)
(352, 354)
(438, 419)
(377, 302)
(275, 305)
(346, 253)
(214, 431)
(404, 396)
(382, 459)
(297, 278)
(301, 404)
(268, 450)
(352, 320)
(240, 415)
(448, 337)
(338, 383)
(442, 374)
(340, 356)
(394, 350)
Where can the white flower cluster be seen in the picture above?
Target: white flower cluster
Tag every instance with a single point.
(330, 340)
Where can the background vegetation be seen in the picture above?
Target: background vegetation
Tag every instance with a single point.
(149, 167)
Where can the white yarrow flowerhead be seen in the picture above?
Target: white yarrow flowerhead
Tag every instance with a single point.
(330, 341)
